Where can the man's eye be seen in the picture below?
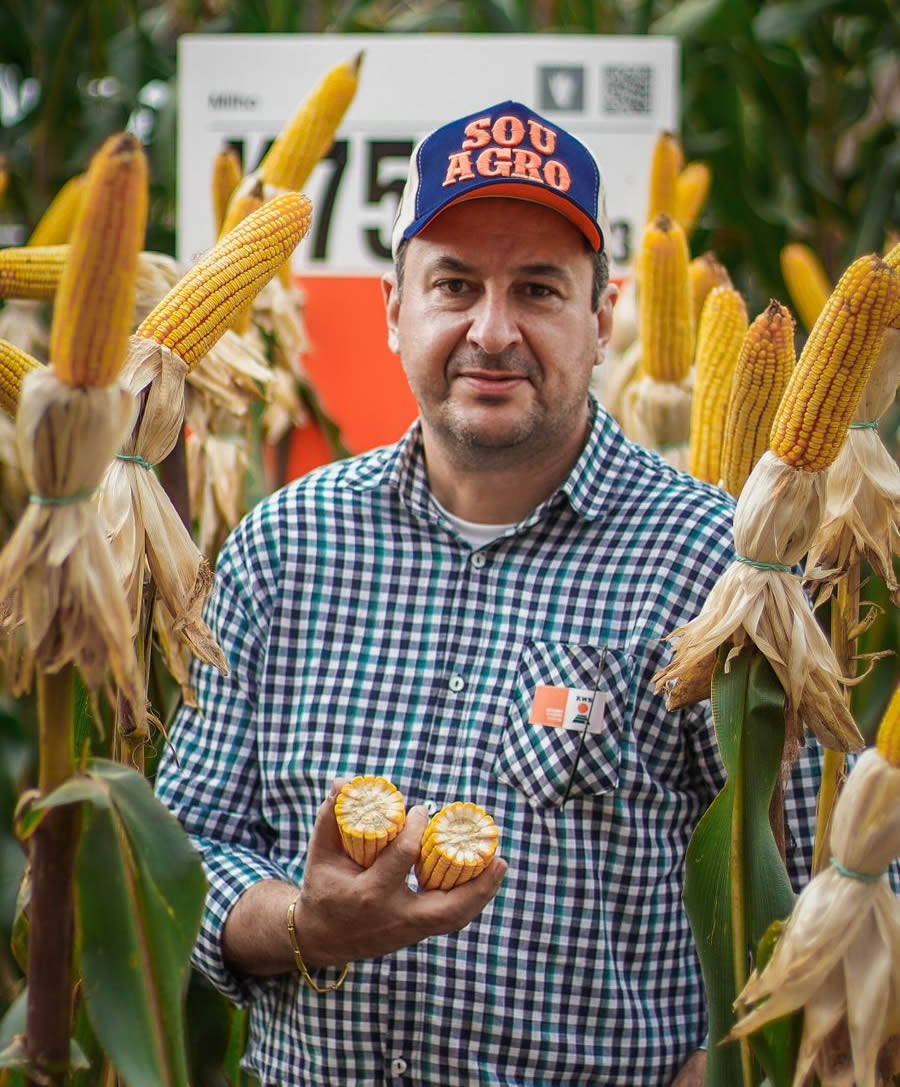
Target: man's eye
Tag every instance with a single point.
(452, 286)
(539, 290)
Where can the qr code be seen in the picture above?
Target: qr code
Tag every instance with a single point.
(627, 89)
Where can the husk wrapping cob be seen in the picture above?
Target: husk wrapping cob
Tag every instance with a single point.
(58, 585)
(780, 508)
(838, 956)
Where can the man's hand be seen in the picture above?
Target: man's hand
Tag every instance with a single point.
(346, 912)
(693, 1072)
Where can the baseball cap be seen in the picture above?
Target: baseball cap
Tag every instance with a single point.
(504, 150)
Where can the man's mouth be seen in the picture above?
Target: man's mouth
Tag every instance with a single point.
(491, 381)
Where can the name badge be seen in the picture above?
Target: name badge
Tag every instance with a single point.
(568, 707)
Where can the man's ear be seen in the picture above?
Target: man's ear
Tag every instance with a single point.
(391, 295)
(605, 320)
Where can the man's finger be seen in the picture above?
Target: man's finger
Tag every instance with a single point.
(449, 911)
(392, 865)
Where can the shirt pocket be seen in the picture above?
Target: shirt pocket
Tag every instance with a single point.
(552, 765)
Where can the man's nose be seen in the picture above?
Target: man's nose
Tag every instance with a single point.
(494, 326)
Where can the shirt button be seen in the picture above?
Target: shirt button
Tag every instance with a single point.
(398, 1066)
(457, 683)
(431, 806)
(478, 560)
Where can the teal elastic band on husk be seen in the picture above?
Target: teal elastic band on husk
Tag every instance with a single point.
(862, 877)
(132, 458)
(60, 500)
(763, 565)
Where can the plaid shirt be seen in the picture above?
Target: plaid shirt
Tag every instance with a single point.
(365, 637)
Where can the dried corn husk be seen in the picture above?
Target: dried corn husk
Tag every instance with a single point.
(58, 580)
(233, 375)
(138, 515)
(285, 408)
(217, 451)
(776, 517)
(862, 502)
(838, 957)
(13, 489)
(157, 274)
(657, 415)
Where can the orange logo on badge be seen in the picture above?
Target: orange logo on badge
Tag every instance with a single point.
(549, 706)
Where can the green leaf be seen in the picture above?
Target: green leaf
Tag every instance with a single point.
(748, 708)
(140, 895)
(12, 1034)
(779, 22)
(699, 19)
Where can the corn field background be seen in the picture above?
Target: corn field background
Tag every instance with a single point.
(795, 107)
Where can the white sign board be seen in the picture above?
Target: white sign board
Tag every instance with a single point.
(615, 93)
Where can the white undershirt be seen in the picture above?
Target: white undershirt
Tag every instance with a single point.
(473, 532)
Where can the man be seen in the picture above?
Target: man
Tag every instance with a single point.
(431, 612)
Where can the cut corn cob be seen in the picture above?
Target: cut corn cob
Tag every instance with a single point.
(227, 175)
(807, 281)
(665, 306)
(14, 366)
(32, 271)
(457, 846)
(888, 740)
(95, 301)
(691, 192)
(705, 273)
(311, 132)
(665, 166)
(370, 813)
(200, 307)
(56, 224)
(723, 324)
(763, 367)
(822, 395)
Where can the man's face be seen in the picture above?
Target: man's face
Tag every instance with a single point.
(495, 330)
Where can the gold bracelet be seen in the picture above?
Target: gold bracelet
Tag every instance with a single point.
(301, 965)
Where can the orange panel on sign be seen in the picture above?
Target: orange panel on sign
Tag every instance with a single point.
(359, 381)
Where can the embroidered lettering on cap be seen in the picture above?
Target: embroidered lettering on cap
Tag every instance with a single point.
(497, 159)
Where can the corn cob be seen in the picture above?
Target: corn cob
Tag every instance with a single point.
(823, 393)
(370, 814)
(763, 367)
(200, 307)
(705, 273)
(888, 739)
(95, 300)
(55, 226)
(665, 306)
(309, 135)
(723, 324)
(32, 271)
(807, 281)
(14, 366)
(227, 175)
(691, 192)
(665, 166)
(239, 208)
(457, 846)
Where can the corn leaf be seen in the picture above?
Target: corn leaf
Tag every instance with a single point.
(748, 709)
(140, 893)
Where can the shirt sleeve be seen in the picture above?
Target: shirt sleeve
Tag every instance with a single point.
(208, 775)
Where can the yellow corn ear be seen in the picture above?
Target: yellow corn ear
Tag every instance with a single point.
(705, 273)
(242, 205)
(825, 388)
(457, 846)
(56, 224)
(764, 365)
(32, 271)
(665, 166)
(226, 177)
(94, 306)
(15, 365)
(723, 324)
(892, 260)
(888, 739)
(310, 133)
(370, 813)
(691, 193)
(665, 305)
(807, 281)
(200, 307)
